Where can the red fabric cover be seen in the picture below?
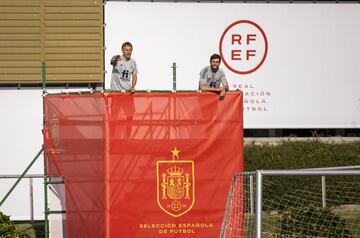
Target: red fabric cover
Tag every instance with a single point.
(122, 178)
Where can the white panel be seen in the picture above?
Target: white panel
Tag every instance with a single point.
(20, 141)
(309, 78)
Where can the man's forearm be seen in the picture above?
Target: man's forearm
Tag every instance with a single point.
(207, 88)
(134, 81)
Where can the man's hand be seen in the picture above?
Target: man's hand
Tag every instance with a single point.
(115, 59)
(131, 90)
(222, 92)
(219, 89)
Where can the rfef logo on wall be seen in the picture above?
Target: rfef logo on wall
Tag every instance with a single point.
(243, 47)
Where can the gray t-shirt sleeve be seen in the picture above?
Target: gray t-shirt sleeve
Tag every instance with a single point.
(223, 79)
(203, 73)
(135, 71)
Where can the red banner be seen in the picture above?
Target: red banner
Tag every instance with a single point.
(144, 165)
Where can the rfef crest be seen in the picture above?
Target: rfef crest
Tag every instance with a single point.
(175, 186)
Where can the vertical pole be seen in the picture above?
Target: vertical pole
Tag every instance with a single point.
(174, 98)
(174, 76)
(106, 169)
(251, 184)
(46, 208)
(43, 77)
(259, 180)
(31, 189)
(323, 191)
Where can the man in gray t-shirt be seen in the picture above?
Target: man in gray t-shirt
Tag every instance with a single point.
(124, 69)
(212, 78)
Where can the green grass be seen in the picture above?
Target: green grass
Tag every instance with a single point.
(272, 224)
(352, 220)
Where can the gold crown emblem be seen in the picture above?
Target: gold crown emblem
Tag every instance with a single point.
(175, 171)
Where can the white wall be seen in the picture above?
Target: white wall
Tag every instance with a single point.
(20, 140)
(310, 76)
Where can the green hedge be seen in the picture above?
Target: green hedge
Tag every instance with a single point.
(301, 154)
(8, 229)
(304, 154)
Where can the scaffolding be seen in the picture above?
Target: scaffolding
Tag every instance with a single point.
(47, 181)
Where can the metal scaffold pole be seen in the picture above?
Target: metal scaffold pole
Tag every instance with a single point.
(174, 76)
(43, 77)
(47, 181)
(46, 207)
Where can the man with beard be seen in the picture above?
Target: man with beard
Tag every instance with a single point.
(212, 78)
(124, 69)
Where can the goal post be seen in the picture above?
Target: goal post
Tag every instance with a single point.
(293, 203)
(240, 208)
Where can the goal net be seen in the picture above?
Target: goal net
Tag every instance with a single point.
(294, 206)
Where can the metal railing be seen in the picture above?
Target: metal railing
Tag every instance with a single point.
(31, 178)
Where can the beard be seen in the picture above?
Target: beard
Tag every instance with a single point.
(214, 68)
